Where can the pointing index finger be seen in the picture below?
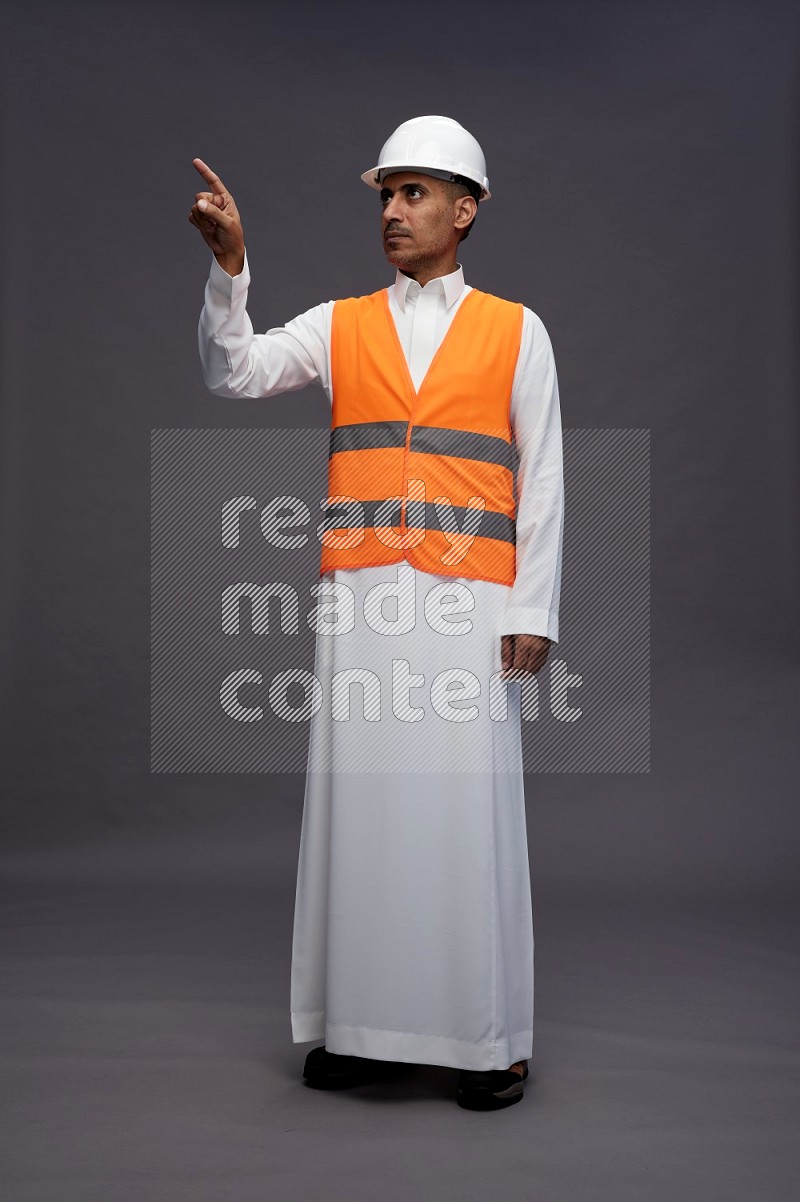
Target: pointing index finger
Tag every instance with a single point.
(210, 177)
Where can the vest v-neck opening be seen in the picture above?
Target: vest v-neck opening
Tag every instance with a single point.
(438, 353)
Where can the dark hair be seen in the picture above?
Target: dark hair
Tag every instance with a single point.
(461, 186)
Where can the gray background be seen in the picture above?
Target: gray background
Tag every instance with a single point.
(644, 168)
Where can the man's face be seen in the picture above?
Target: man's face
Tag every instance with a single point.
(417, 220)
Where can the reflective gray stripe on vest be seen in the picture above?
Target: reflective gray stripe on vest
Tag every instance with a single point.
(464, 444)
(428, 440)
(367, 436)
(491, 524)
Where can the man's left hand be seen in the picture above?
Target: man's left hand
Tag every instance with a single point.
(524, 652)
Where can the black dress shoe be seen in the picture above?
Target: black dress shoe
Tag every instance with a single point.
(328, 1070)
(490, 1090)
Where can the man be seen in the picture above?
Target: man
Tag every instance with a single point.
(413, 936)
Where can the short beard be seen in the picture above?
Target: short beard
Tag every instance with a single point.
(413, 259)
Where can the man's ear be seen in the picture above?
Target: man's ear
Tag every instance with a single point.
(466, 208)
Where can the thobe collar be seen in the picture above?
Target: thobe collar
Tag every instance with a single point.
(450, 286)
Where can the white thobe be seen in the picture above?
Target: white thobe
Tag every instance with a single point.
(413, 932)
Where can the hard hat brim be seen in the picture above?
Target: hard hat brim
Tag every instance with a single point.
(372, 178)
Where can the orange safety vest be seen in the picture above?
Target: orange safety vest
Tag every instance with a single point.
(423, 475)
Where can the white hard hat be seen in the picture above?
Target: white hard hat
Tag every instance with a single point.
(434, 145)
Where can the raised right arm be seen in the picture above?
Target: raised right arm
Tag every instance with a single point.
(235, 361)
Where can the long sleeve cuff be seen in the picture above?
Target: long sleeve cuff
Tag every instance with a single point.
(523, 619)
(224, 331)
(229, 286)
